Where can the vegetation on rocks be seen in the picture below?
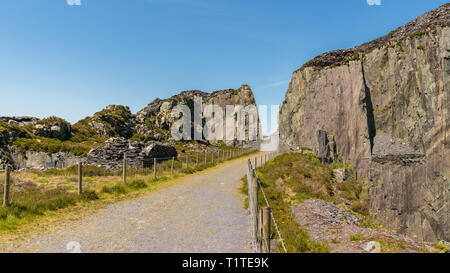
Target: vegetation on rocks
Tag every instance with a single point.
(51, 145)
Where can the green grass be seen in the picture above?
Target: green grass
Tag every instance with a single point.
(137, 184)
(356, 237)
(51, 145)
(307, 178)
(342, 165)
(30, 202)
(291, 168)
(302, 173)
(296, 239)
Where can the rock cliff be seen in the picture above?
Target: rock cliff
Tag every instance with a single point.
(154, 120)
(386, 103)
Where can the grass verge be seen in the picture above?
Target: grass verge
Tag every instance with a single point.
(292, 178)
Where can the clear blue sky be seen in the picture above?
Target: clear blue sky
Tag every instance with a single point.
(71, 61)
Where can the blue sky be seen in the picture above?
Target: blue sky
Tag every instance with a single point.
(71, 61)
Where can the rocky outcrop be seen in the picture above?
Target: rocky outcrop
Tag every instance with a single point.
(52, 127)
(386, 104)
(138, 154)
(113, 121)
(19, 121)
(10, 131)
(153, 123)
(154, 120)
(38, 160)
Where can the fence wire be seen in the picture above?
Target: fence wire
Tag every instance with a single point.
(273, 217)
(253, 217)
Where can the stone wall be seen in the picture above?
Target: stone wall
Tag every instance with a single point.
(138, 154)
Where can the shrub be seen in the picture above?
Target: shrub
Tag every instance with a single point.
(107, 189)
(351, 190)
(89, 195)
(360, 207)
(119, 189)
(357, 237)
(137, 184)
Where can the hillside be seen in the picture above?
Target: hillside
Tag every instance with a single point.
(318, 211)
(383, 106)
(28, 142)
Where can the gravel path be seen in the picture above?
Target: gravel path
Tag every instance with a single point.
(203, 214)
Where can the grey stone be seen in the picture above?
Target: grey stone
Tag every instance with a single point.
(138, 154)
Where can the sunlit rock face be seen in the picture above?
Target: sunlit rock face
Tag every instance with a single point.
(386, 103)
(154, 121)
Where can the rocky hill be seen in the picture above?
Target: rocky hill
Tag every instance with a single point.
(384, 106)
(30, 142)
(154, 120)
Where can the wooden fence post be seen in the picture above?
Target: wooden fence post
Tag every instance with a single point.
(154, 167)
(256, 162)
(265, 213)
(260, 231)
(187, 161)
(124, 167)
(80, 178)
(212, 157)
(205, 157)
(196, 161)
(6, 186)
(255, 190)
(171, 169)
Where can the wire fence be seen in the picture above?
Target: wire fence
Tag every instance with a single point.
(152, 167)
(260, 218)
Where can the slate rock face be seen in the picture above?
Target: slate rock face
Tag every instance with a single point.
(138, 154)
(386, 103)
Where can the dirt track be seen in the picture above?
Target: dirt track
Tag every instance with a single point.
(202, 213)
